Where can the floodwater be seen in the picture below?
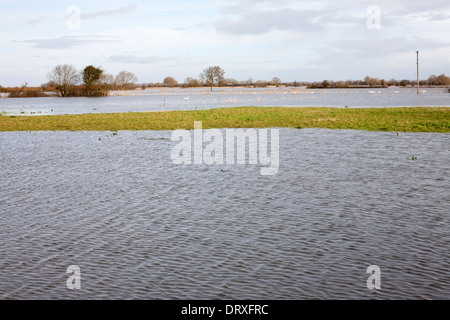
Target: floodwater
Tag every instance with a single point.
(191, 99)
(141, 227)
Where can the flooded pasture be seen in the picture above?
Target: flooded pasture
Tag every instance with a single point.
(142, 227)
(192, 99)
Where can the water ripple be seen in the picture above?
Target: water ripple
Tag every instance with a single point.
(140, 227)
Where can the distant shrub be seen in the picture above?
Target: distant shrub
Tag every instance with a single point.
(29, 93)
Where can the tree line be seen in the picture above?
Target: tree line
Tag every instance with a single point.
(66, 81)
(210, 77)
(91, 82)
(214, 76)
(441, 80)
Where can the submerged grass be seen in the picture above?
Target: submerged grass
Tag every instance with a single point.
(420, 119)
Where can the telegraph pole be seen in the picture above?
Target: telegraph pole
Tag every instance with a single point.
(418, 83)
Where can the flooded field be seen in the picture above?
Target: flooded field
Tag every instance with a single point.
(191, 99)
(141, 227)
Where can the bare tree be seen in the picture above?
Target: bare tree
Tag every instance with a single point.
(441, 80)
(212, 75)
(191, 82)
(125, 80)
(230, 82)
(170, 82)
(107, 83)
(65, 77)
(372, 81)
(276, 81)
(249, 82)
(261, 83)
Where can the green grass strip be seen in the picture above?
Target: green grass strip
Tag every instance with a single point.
(420, 119)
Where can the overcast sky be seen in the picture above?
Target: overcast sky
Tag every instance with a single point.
(258, 39)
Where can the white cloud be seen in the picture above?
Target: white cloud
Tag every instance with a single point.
(292, 39)
(127, 59)
(106, 12)
(69, 42)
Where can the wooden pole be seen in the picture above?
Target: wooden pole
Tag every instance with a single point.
(418, 83)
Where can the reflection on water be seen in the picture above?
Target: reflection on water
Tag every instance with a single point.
(141, 227)
(191, 99)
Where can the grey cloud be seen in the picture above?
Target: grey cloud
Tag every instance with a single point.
(35, 21)
(137, 59)
(438, 16)
(373, 48)
(404, 7)
(262, 16)
(400, 12)
(121, 10)
(266, 21)
(86, 16)
(68, 42)
(241, 6)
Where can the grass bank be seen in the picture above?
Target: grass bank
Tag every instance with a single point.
(371, 119)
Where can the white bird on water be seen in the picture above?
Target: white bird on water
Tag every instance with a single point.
(186, 98)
